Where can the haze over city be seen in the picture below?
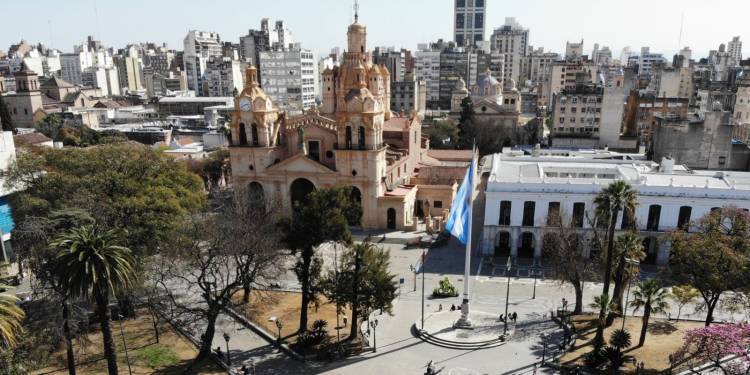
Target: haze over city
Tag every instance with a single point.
(390, 22)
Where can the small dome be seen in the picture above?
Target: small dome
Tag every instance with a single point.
(487, 81)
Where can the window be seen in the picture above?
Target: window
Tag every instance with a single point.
(243, 135)
(254, 133)
(348, 137)
(528, 214)
(361, 137)
(654, 214)
(553, 214)
(505, 207)
(579, 209)
(683, 220)
(313, 150)
(437, 204)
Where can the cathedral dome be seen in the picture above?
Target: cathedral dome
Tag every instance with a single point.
(487, 81)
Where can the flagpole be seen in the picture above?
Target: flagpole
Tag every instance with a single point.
(464, 321)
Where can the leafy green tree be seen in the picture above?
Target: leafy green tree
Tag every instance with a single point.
(11, 317)
(466, 125)
(628, 247)
(715, 258)
(92, 264)
(616, 197)
(683, 294)
(74, 134)
(325, 217)
(5, 118)
(601, 303)
(212, 169)
(121, 185)
(441, 132)
(364, 282)
(653, 299)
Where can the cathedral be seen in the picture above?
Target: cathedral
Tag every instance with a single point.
(353, 139)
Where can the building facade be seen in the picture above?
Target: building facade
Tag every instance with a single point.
(290, 78)
(527, 196)
(512, 40)
(199, 47)
(223, 77)
(352, 140)
(468, 21)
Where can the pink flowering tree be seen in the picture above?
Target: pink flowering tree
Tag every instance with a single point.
(713, 344)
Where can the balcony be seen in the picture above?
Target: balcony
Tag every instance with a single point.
(358, 147)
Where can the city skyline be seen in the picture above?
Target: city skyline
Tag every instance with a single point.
(425, 20)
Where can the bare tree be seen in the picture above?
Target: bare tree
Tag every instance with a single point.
(565, 246)
(215, 256)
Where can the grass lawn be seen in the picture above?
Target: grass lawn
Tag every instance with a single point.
(286, 306)
(171, 356)
(663, 338)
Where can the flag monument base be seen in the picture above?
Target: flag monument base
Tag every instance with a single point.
(464, 322)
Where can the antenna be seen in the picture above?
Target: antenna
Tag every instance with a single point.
(356, 10)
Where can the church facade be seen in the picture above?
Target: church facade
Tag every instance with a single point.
(353, 139)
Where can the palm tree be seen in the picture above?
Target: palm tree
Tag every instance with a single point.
(91, 264)
(616, 197)
(653, 298)
(618, 340)
(628, 246)
(601, 303)
(11, 317)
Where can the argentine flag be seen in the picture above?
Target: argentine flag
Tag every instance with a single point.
(458, 223)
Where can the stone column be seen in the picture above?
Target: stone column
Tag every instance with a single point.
(537, 246)
(514, 242)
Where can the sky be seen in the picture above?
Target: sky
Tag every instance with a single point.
(321, 24)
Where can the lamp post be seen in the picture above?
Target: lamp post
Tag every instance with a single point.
(279, 326)
(630, 262)
(544, 346)
(374, 325)
(507, 296)
(226, 338)
(414, 271)
(124, 344)
(534, 273)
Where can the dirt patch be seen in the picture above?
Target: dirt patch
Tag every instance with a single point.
(663, 338)
(141, 341)
(285, 306)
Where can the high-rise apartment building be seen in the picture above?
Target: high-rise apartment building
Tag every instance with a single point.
(223, 77)
(512, 40)
(468, 21)
(427, 69)
(290, 78)
(199, 47)
(734, 47)
(256, 41)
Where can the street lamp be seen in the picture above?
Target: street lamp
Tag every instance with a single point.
(124, 344)
(279, 326)
(226, 338)
(507, 296)
(374, 324)
(535, 273)
(544, 346)
(630, 262)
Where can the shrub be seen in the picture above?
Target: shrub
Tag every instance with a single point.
(445, 289)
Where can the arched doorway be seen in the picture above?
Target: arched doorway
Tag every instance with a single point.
(526, 250)
(391, 224)
(255, 193)
(243, 134)
(502, 244)
(299, 191)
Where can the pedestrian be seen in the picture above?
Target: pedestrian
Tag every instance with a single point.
(344, 321)
(453, 307)
(440, 307)
(219, 353)
(502, 318)
(515, 317)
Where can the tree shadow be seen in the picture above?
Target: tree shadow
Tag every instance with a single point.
(661, 328)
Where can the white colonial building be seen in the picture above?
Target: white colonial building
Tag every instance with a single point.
(524, 190)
